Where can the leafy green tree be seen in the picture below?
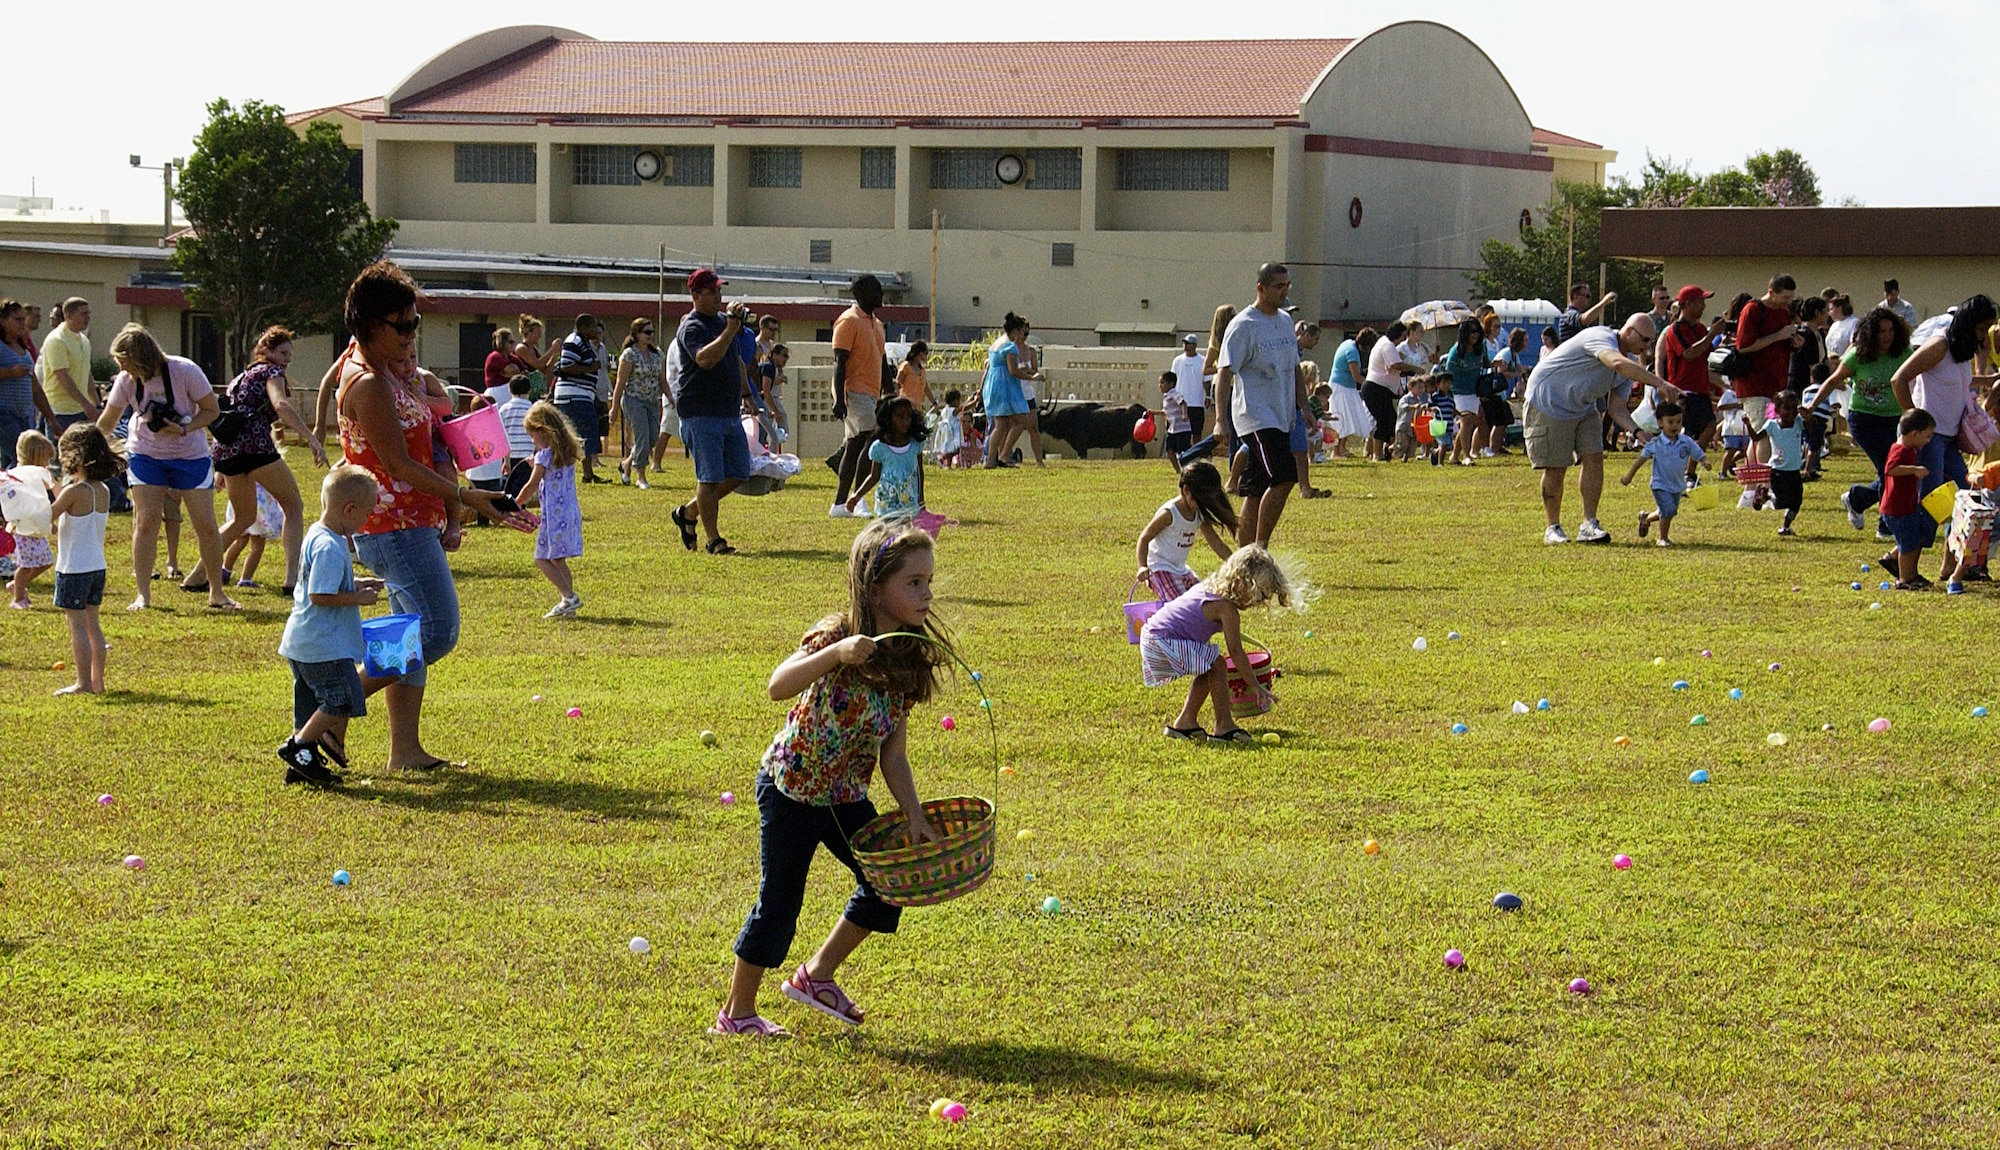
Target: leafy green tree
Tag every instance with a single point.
(1538, 266)
(1781, 179)
(276, 232)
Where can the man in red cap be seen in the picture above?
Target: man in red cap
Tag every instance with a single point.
(1682, 360)
(710, 404)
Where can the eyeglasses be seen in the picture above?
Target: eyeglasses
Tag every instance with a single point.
(402, 328)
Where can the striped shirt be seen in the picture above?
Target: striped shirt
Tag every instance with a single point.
(514, 417)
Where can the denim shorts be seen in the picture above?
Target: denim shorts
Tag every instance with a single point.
(721, 451)
(80, 589)
(335, 688)
(1301, 433)
(412, 563)
(1669, 502)
(1914, 531)
(172, 474)
(582, 416)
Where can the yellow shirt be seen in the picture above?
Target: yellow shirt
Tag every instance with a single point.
(70, 351)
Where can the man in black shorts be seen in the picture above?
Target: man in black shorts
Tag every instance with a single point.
(1259, 389)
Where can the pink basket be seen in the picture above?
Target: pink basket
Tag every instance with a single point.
(476, 439)
(1137, 612)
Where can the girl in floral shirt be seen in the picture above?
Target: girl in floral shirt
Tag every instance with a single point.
(853, 695)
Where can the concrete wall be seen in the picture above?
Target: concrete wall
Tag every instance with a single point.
(1245, 207)
(415, 182)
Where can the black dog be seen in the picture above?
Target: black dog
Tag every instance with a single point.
(1093, 425)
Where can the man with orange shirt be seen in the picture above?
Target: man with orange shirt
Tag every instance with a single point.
(1766, 335)
(858, 346)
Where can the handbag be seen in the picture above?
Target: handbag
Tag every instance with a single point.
(1976, 429)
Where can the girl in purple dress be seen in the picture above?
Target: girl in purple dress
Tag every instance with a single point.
(553, 481)
(1179, 640)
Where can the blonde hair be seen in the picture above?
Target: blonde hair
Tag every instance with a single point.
(565, 449)
(529, 323)
(33, 449)
(904, 666)
(1253, 577)
(137, 344)
(1216, 328)
(346, 484)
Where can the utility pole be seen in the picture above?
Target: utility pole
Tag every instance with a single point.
(166, 171)
(936, 221)
(1569, 271)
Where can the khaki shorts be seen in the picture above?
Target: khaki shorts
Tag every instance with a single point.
(1561, 442)
(1757, 410)
(860, 416)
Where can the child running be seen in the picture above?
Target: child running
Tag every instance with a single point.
(1180, 433)
(1672, 454)
(1786, 434)
(322, 639)
(1735, 431)
(559, 538)
(895, 463)
(32, 554)
(80, 511)
(1199, 509)
(950, 432)
(1902, 493)
(853, 695)
(1178, 640)
(249, 546)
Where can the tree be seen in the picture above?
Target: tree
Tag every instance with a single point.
(1780, 179)
(276, 232)
(1540, 264)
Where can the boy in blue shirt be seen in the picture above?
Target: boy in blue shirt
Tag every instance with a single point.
(1672, 454)
(1786, 434)
(322, 638)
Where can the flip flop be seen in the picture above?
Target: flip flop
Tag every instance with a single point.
(428, 767)
(686, 525)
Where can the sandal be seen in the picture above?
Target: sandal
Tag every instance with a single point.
(333, 750)
(686, 525)
(823, 995)
(755, 1026)
(1237, 736)
(719, 546)
(1187, 734)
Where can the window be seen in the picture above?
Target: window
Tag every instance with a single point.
(493, 163)
(605, 165)
(1173, 170)
(961, 169)
(1062, 255)
(878, 167)
(820, 251)
(1055, 169)
(688, 166)
(776, 167)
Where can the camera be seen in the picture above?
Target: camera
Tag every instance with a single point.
(159, 413)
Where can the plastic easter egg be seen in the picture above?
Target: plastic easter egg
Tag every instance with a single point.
(1864, 568)
(726, 798)
(1698, 777)
(1622, 741)
(1774, 666)
(1978, 712)
(953, 1113)
(534, 698)
(937, 1107)
(1622, 862)
(1420, 645)
(60, 666)
(104, 800)
(1371, 847)
(978, 678)
(134, 862)
(1680, 684)
(1776, 738)
(1023, 835)
(1453, 959)
(342, 878)
(1541, 704)
(1271, 739)
(574, 712)
(1887, 586)
(1521, 708)
(1707, 654)
(1736, 694)
(1659, 661)
(1878, 727)
(1854, 586)
(1309, 634)
(948, 723)
(1009, 772)
(1052, 905)
(1459, 728)
(1453, 636)
(1698, 721)
(1095, 630)
(1579, 986)
(985, 704)
(708, 739)
(639, 945)
(1507, 900)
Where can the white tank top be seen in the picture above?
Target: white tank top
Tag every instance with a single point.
(1169, 549)
(80, 538)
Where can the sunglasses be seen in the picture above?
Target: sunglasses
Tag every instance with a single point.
(402, 328)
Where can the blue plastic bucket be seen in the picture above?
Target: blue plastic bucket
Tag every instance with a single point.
(393, 643)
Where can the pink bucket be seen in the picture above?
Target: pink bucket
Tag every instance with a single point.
(1137, 612)
(477, 439)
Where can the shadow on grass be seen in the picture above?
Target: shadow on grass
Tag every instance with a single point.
(452, 791)
(114, 695)
(1004, 1062)
(971, 602)
(814, 554)
(9, 947)
(622, 621)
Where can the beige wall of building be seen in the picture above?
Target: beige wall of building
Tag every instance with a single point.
(1932, 283)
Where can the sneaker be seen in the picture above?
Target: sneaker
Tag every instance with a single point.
(1748, 502)
(839, 511)
(1554, 534)
(1591, 532)
(1854, 518)
(565, 607)
(1645, 525)
(1954, 588)
(642, 485)
(1663, 543)
(304, 763)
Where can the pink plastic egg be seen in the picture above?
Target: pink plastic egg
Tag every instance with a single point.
(727, 798)
(1579, 986)
(1879, 727)
(948, 723)
(1453, 959)
(104, 800)
(134, 862)
(574, 712)
(953, 1113)
(1622, 862)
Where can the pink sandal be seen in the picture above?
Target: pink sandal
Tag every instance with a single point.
(755, 1026)
(823, 995)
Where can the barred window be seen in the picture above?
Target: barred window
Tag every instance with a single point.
(878, 167)
(819, 251)
(776, 167)
(493, 163)
(1062, 255)
(605, 164)
(960, 169)
(1055, 169)
(1173, 170)
(688, 166)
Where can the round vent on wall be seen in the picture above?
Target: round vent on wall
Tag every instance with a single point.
(1354, 212)
(1008, 169)
(646, 165)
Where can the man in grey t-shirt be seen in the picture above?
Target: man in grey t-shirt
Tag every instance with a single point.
(1259, 388)
(1563, 424)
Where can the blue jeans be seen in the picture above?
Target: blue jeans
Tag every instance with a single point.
(412, 562)
(643, 417)
(789, 833)
(582, 416)
(12, 424)
(1946, 465)
(1875, 435)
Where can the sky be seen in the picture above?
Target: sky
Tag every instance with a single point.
(1849, 85)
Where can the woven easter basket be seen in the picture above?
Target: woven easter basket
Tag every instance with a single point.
(932, 872)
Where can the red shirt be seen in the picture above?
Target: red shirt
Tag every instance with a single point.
(1771, 368)
(1899, 492)
(1690, 375)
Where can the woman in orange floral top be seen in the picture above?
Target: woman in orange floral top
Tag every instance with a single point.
(386, 427)
(812, 789)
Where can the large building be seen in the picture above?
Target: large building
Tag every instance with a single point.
(1111, 192)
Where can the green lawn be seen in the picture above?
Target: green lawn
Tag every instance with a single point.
(1803, 954)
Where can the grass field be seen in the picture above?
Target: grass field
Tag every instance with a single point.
(1803, 954)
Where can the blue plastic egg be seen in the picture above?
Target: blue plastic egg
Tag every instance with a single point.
(1736, 693)
(1507, 900)
(1542, 705)
(1698, 777)
(1459, 728)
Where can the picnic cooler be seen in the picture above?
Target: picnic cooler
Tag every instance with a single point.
(1971, 527)
(1137, 612)
(1242, 702)
(393, 643)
